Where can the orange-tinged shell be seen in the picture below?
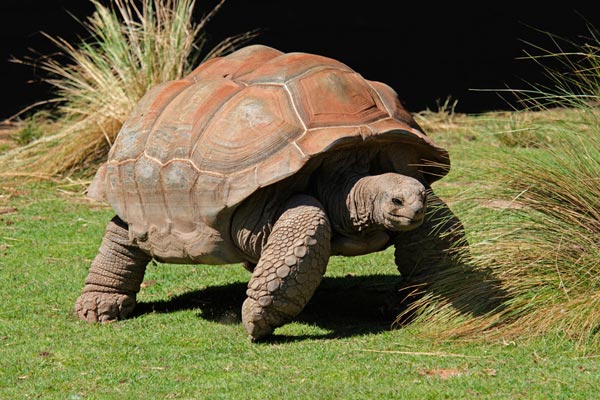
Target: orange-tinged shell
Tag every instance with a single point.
(195, 147)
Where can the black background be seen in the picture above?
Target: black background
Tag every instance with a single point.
(426, 51)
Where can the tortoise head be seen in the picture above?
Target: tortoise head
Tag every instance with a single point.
(391, 201)
(400, 202)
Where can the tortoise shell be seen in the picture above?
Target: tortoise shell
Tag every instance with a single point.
(193, 149)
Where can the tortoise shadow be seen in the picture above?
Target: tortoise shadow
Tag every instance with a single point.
(343, 306)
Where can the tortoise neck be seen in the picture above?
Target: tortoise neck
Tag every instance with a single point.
(348, 201)
(361, 202)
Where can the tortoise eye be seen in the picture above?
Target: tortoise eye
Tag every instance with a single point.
(398, 202)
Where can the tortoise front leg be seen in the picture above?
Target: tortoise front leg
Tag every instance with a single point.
(114, 278)
(290, 268)
(422, 251)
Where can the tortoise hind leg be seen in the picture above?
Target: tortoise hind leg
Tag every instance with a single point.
(114, 278)
(290, 268)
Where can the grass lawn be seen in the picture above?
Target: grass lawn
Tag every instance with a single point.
(186, 340)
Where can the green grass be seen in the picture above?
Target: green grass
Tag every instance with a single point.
(519, 317)
(32, 129)
(186, 340)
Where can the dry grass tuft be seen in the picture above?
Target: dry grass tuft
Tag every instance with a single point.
(534, 262)
(132, 46)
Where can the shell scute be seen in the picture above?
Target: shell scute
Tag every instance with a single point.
(251, 127)
(177, 180)
(288, 66)
(148, 185)
(132, 138)
(209, 196)
(316, 141)
(236, 64)
(126, 196)
(333, 97)
(284, 163)
(390, 100)
(115, 186)
(184, 118)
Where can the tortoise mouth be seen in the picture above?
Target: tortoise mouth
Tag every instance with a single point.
(398, 222)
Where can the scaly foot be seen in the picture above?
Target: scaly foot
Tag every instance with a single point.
(104, 307)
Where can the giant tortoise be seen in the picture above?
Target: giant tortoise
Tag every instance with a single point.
(275, 160)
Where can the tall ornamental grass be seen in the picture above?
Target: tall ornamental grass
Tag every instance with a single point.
(533, 218)
(131, 46)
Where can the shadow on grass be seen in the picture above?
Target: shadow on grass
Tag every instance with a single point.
(344, 306)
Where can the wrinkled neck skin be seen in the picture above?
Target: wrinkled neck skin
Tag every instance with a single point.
(350, 202)
(361, 205)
